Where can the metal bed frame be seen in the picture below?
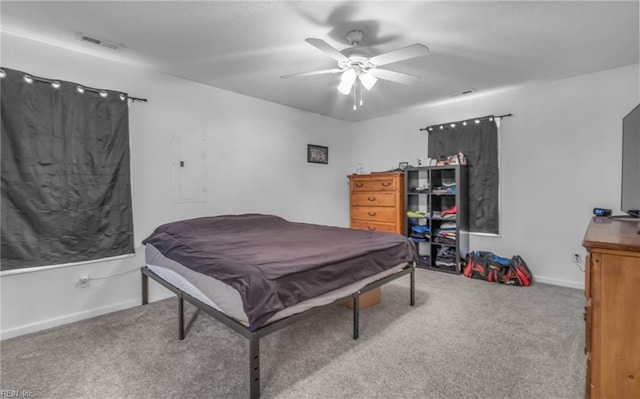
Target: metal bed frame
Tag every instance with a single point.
(254, 336)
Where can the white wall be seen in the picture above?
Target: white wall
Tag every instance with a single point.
(560, 159)
(255, 162)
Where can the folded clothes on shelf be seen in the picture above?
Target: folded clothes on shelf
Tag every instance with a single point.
(446, 257)
(445, 240)
(449, 211)
(446, 232)
(420, 229)
(419, 233)
(446, 252)
(416, 214)
(424, 188)
(449, 182)
(424, 260)
(442, 263)
(444, 190)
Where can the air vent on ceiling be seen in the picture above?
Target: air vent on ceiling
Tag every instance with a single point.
(463, 92)
(100, 42)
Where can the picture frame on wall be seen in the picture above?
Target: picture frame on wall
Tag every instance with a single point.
(317, 154)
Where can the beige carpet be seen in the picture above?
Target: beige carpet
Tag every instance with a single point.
(463, 339)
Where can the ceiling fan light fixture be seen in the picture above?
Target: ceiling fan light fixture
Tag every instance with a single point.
(367, 80)
(346, 81)
(359, 68)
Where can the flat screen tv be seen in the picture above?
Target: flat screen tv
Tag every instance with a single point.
(630, 203)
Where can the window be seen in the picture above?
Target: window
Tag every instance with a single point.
(65, 177)
(477, 139)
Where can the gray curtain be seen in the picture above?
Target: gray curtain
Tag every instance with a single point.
(65, 177)
(479, 142)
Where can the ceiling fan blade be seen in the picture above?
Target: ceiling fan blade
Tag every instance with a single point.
(394, 76)
(401, 54)
(312, 73)
(327, 49)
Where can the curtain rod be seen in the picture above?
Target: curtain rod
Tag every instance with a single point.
(465, 121)
(143, 100)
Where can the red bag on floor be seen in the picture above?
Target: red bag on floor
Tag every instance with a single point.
(521, 270)
(487, 266)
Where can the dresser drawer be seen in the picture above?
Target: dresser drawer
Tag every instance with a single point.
(373, 199)
(374, 226)
(382, 183)
(374, 213)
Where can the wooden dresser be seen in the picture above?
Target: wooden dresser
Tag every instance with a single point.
(376, 204)
(612, 289)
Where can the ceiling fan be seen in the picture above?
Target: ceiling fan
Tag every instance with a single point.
(359, 67)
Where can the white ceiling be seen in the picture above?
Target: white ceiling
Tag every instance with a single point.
(244, 46)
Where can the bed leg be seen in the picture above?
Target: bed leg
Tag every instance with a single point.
(254, 364)
(180, 317)
(356, 315)
(412, 289)
(145, 289)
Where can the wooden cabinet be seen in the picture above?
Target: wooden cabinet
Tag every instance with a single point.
(376, 204)
(612, 311)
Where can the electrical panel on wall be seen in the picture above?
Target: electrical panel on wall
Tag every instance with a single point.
(188, 182)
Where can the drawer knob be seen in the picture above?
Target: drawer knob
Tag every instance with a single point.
(359, 184)
(371, 213)
(371, 198)
(386, 184)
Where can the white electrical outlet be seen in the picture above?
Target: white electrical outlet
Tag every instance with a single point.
(85, 281)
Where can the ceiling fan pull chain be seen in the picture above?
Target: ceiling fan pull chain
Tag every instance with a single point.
(355, 88)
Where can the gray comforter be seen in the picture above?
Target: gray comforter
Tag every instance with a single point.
(274, 263)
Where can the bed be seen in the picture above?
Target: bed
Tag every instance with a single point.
(258, 273)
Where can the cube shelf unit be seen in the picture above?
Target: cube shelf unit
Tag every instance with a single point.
(428, 190)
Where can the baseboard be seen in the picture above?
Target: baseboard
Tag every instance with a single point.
(562, 283)
(70, 318)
